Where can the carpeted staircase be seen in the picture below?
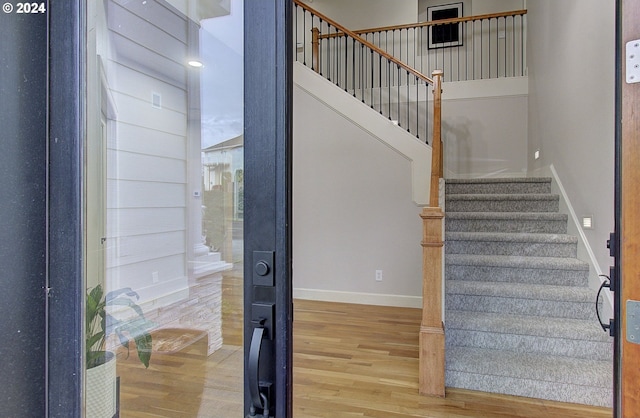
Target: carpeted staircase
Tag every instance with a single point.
(520, 318)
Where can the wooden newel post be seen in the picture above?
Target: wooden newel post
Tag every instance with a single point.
(315, 49)
(432, 355)
(432, 352)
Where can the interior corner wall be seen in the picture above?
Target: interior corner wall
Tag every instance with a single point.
(571, 46)
(362, 14)
(353, 212)
(484, 136)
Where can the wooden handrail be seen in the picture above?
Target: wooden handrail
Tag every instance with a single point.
(436, 144)
(432, 23)
(364, 42)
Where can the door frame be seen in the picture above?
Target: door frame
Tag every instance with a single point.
(268, 157)
(627, 238)
(65, 230)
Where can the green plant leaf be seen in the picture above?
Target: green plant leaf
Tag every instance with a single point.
(144, 346)
(100, 324)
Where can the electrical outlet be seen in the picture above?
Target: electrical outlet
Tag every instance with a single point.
(155, 277)
(378, 275)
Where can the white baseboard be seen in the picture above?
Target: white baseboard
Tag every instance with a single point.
(359, 298)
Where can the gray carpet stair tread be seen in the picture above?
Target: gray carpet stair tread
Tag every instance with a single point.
(502, 196)
(498, 180)
(508, 216)
(511, 237)
(520, 291)
(543, 368)
(512, 261)
(566, 328)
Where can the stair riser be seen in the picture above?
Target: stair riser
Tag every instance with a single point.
(461, 205)
(534, 227)
(517, 306)
(591, 350)
(512, 248)
(511, 275)
(587, 395)
(489, 188)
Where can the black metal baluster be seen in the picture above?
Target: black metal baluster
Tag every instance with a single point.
(389, 87)
(398, 90)
(408, 104)
(513, 46)
(474, 49)
(505, 46)
(466, 52)
(521, 45)
(380, 81)
(371, 65)
(497, 48)
(361, 73)
(426, 112)
(451, 27)
(417, 112)
(421, 30)
(489, 42)
(304, 37)
(346, 63)
(353, 67)
(320, 54)
(481, 49)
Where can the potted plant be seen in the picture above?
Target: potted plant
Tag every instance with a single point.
(100, 363)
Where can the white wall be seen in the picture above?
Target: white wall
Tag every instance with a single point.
(353, 212)
(472, 7)
(360, 14)
(571, 105)
(484, 136)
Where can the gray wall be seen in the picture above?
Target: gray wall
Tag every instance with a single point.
(571, 105)
(353, 212)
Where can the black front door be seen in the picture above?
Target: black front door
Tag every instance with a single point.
(111, 176)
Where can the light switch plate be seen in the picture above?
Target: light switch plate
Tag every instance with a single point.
(632, 60)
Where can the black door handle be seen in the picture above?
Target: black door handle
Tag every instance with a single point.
(258, 399)
(605, 327)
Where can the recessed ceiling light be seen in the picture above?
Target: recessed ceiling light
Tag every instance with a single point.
(196, 63)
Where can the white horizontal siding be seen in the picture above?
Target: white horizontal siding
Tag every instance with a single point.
(138, 248)
(134, 111)
(136, 84)
(162, 16)
(139, 275)
(135, 194)
(143, 140)
(139, 221)
(143, 167)
(146, 34)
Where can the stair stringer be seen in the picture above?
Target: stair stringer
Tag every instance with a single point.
(415, 151)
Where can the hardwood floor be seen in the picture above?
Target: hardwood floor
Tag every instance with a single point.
(349, 361)
(362, 361)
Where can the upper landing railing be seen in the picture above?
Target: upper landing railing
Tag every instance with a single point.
(467, 48)
(383, 82)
